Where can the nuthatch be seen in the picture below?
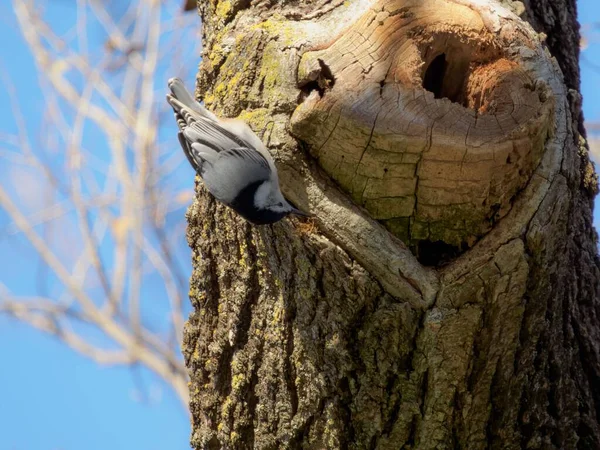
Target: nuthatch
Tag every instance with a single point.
(234, 164)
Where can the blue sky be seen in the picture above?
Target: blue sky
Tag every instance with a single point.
(51, 397)
(589, 13)
(589, 17)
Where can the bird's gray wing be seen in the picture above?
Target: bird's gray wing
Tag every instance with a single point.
(189, 152)
(234, 170)
(211, 134)
(203, 139)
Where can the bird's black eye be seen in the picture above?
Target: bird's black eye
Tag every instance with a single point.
(280, 204)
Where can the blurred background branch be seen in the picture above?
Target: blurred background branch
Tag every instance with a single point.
(95, 187)
(189, 5)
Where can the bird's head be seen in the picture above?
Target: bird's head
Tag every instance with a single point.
(270, 204)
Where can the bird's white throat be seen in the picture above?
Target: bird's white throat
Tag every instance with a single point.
(263, 194)
(268, 196)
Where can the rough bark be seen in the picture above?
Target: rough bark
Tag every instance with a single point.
(451, 304)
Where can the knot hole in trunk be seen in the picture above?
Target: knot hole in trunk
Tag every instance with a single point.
(446, 77)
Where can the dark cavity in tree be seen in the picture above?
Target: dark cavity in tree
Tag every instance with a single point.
(438, 253)
(433, 81)
(446, 77)
(324, 80)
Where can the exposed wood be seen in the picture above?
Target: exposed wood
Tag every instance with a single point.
(437, 169)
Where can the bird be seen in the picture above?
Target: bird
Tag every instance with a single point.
(236, 167)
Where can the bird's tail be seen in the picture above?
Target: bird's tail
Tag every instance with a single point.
(180, 98)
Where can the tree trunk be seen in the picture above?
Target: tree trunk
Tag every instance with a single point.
(447, 293)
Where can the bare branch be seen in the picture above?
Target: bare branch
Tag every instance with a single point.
(110, 192)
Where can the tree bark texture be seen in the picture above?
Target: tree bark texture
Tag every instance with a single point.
(446, 295)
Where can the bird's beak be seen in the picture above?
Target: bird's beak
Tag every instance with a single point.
(300, 213)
